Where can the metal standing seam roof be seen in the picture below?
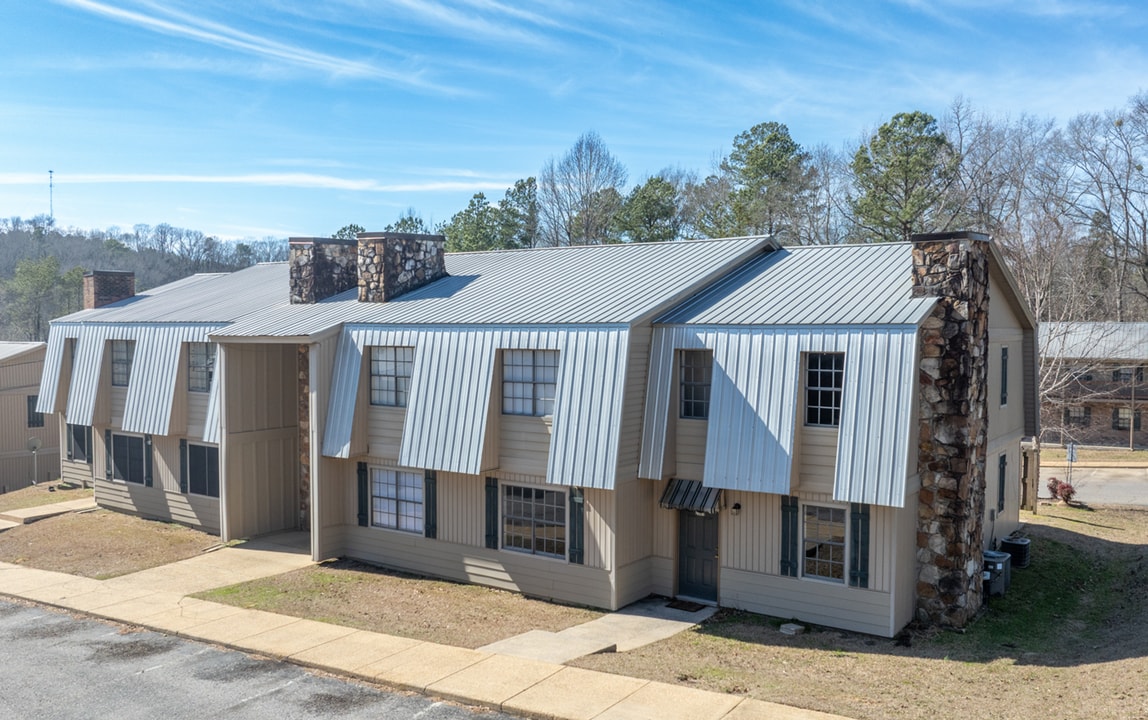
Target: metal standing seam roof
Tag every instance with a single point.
(1094, 340)
(815, 285)
(9, 350)
(594, 284)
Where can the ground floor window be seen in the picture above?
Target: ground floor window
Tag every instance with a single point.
(80, 443)
(1078, 416)
(203, 470)
(823, 542)
(534, 520)
(397, 499)
(1124, 419)
(128, 458)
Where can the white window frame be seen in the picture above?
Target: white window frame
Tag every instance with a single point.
(1077, 416)
(815, 389)
(391, 374)
(200, 366)
(398, 499)
(529, 516)
(529, 382)
(695, 368)
(805, 544)
(123, 355)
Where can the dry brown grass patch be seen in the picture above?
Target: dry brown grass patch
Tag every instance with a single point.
(42, 494)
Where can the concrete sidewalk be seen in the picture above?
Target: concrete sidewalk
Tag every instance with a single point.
(39, 512)
(156, 599)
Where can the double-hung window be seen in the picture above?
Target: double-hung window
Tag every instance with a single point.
(200, 366)
(534, 520)
(1125, 374)
(824, 377)
(203, 470)
(1078, 415)
(35, 419)
(123, 352)
(128, 458)
(823, 542)
(397, 499)
(696, 375)
(391, 375)
(1125, 419)
(529, 380)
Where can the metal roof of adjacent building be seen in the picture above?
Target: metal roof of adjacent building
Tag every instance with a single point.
(598, 284)
(816, 285)
(9, 350)
(1094, 340)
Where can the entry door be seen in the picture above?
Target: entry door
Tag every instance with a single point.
(697, 554)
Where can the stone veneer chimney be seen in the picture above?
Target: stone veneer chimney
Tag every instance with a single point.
(953, 424)
(320, 268)
(104, 287)
(391, 264)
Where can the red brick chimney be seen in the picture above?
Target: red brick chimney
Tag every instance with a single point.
(104, 287)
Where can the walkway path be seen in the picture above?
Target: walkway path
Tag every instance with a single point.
(517, 680)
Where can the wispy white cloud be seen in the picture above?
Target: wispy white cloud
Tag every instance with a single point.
(295, 180)
(223, 36)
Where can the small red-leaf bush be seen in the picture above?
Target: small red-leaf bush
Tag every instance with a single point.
(1053, 485)
(1065, 492)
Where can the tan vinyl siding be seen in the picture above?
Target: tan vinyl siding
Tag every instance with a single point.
(690, 444)
(750, 540)
(817, 459)
(524, 444)
(178, 425)
(197, 413)
(634, 538)
(327, 492)
(385, 430)
(156, 503)
(19, 380)
(77, 473)
(664, 542)
(260, 456)
(117, 397)
(599, 522)
(808, 601)
(461, 509)
(905, 564)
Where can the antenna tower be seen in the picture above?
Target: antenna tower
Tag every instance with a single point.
(51, 199)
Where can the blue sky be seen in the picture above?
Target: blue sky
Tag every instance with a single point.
(284, 117)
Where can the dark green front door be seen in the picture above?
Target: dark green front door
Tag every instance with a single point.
(697, 554)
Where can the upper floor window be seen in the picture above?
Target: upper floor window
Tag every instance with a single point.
(1004, 376)
(123, 351)
(391, 375)
(1082, 374)
(697, 374)
(35, 419)
(824, 377)
(1124, 374)
(529, 379)
(200, 366)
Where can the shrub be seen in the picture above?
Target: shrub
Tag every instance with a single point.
(1065, 491)
(1053, 487)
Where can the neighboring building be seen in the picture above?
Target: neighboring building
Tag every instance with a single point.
(829, 433)
(21, 364)
(1093, 377)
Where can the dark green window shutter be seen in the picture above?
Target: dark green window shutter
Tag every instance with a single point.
(789, 525)
(430, 504)
(859, 547)
(576, 531)
(183, 466)
(1002, 471)
(71, 442)
(1115, 419)
(147, 461)
(1087, 416)
(364, 496)
(1136, 420)
(1067, 419)
(108, 453)
(1004, 376)
(492, 513)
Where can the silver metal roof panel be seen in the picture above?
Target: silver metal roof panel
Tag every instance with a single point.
(1094, 340)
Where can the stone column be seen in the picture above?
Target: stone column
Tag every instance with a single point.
(391, 264)
(953, 424)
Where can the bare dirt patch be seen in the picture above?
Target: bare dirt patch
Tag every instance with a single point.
(100, 544)
(370, 598)
(1070, 640)
(43, 494)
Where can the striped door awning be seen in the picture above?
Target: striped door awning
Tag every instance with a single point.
(690, 495)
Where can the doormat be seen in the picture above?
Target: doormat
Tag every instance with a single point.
(686, 605)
